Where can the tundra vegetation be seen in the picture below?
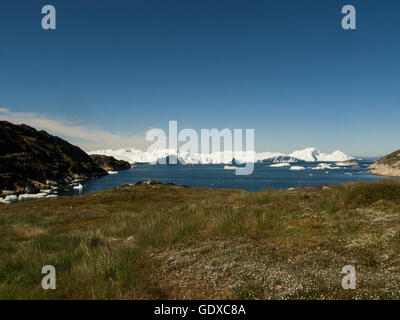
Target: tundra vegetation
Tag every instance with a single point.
(171, 242)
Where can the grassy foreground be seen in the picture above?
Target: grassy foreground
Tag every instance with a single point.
(150, 242)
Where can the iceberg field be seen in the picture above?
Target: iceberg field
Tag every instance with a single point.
(132, 155)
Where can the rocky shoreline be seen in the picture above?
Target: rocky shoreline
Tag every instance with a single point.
(384, 170)
(35, 164)
(52, 192)
(388, 166)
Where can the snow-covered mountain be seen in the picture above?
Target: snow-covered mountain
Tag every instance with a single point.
(226, 157)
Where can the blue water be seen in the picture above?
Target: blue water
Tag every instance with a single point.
(214, 176)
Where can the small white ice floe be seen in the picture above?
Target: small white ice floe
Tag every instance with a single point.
(78, 187)
(112, 172)
(282, 164)
(324, 166)
(229, 167)
(27, 196)
(297, 168)
(9, 199)
(348, 173)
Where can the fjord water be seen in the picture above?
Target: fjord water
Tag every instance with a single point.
(215, 176)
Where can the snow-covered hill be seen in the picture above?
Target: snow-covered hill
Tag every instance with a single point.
(309, 154)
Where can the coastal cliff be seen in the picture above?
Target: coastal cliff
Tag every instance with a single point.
(388, 166)
(31, 160)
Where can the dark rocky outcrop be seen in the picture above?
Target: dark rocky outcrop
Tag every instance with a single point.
(388, 166)
(11, 183)
(110, 163)
(32, 159)
(153, 182)
(150, 182)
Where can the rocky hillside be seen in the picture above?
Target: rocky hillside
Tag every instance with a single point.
(110, 163)
(31, 160)
(387, 166)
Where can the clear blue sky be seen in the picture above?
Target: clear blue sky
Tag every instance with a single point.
(285, 68)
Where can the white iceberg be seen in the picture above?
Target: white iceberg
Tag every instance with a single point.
(9, 199)
(112, 172)
(313, 154)
(27, 196)
(281, 164)
(324, 166)
(269, 156)
(297, 168)
(230, 167)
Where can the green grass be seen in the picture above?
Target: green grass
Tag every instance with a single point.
(167, 242)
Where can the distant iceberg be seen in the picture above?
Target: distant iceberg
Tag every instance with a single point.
(297, 168)
(321, 166)
(230, 167)
(281, 164)
(132, 155)
(324, 166)
(346, 163)
(313, 154)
